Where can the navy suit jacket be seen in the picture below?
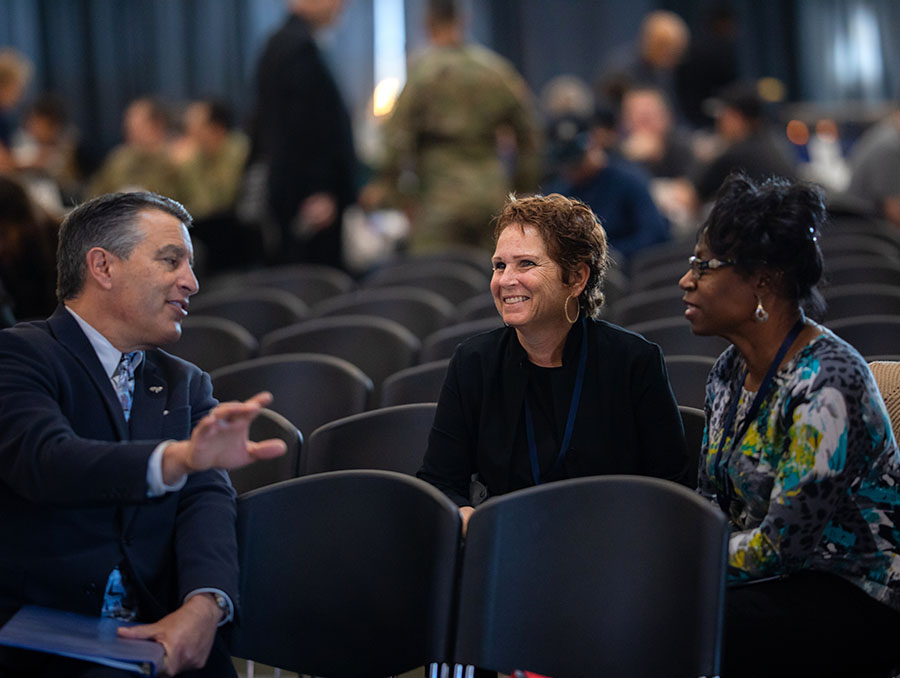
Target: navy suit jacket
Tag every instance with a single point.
(73, 489)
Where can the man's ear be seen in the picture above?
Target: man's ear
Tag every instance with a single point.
(99, 262)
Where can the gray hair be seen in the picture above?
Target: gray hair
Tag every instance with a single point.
(108, 221)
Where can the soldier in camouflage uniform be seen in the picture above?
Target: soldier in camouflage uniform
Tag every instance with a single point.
(463, 112)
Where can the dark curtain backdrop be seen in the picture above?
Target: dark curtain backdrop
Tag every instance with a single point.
(99, 54)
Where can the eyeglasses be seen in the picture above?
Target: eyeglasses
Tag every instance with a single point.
(700, 266)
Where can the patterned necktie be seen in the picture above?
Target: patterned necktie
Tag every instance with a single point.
(123, 380)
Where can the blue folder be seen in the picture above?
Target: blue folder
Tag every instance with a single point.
(92, 639)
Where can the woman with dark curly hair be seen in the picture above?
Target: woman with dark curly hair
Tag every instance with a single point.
(556, 393)
(798, 450)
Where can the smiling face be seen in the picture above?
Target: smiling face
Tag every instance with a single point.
(527, 284)
(717, 301)
(149, 291)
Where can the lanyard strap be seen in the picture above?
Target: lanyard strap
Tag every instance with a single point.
(570, 421)
(721, 464)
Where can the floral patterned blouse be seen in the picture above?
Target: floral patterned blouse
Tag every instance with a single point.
(815, 479)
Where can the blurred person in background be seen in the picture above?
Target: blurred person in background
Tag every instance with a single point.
(15, 72)
(27, 252)
(463, 110)
(615, 190)
(875, 169)
(748, 142)
(46, 147)
(650, 61)
(143, 161)
(302, 134)
(211, 156)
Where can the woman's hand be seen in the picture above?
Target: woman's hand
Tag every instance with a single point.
(465, 512)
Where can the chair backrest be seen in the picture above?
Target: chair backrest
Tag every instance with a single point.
(653, 304)
(311, 283)
(687, 376)
(871, 335)
(377, 346)
(694, 421)
(259, 310)
(454, 281)
(309, 389)
(389, 438)
(838, 245)
(477, 258)
(661, 276)
(870, 269)
(417, 384)
(662, 254)
(269, 424)
(211, 343)
(674, 337)
(346, 575)
(566, 579)
(420, 311)
(847, 301)
(476, 308)
(443, 343)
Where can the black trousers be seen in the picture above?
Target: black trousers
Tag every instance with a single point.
(808, 624)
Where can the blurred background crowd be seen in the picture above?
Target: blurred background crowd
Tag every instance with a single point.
(342, 132)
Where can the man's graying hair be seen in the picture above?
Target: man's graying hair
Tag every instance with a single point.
(110, 222)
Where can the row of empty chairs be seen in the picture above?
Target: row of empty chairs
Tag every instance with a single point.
(563, 579)
(390, 439)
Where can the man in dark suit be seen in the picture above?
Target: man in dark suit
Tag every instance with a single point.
(302, 131)
(112, 497)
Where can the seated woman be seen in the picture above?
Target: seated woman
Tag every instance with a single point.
(556, 393)
(798, 449)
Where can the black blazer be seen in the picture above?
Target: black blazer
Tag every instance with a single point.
(73, 483)
(627, 420)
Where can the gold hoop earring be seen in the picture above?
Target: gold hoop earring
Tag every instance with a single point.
(760, 315)
(572, 321)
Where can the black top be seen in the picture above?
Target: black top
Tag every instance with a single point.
(627, 421)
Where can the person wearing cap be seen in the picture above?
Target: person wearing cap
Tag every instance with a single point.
(749, 144)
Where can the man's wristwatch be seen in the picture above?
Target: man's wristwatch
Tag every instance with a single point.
(222, 604)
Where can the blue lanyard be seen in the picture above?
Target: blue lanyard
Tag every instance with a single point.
(721, 465)
(570, 421)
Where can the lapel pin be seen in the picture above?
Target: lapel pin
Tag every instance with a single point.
(156, 389)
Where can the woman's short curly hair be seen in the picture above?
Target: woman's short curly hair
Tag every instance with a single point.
(572, 235)
(772, 224)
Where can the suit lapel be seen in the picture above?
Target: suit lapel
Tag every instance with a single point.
(66, 330)
(151, 393)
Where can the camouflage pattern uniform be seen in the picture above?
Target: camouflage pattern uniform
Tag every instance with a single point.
(445, 141)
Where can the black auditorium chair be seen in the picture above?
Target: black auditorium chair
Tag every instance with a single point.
(388, 438)
(309, 389)
(211, 343)
(453, 281)
(416, 384)
(694, 422)
(347, 575)
(653, 304)
(259, 310)
(687, 376)
(477, 307)
(269, 424)
(568, 579)
(674, 336)
(443, 343)
(847, 301)
(377, 346)
(871, 335)
(420, 311)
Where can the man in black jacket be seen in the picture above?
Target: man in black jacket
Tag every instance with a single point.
(303, 133)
